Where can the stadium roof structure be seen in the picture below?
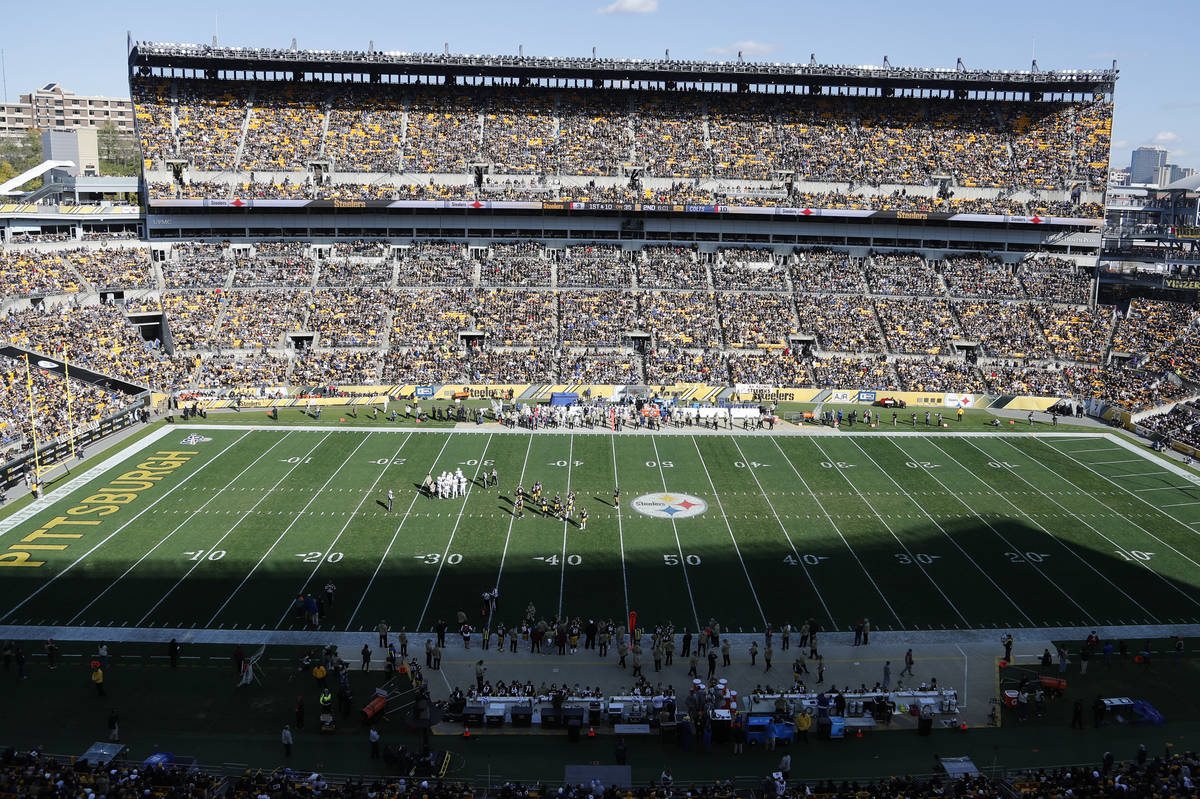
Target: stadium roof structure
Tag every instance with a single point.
(149, 56)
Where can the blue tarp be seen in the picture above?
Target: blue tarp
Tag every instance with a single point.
(564, 398)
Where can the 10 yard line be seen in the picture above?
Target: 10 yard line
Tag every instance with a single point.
(180, 526)
(106, 539)
(387, 550)
(366, 495)
(442, 560)
(732, 537)
(299, 516)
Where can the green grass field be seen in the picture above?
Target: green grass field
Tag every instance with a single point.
(914, 531)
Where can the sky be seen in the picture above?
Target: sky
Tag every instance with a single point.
(83, 47)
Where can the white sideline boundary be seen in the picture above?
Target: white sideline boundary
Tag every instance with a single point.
(79, 481)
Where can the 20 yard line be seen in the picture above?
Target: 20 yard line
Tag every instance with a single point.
(396, 534)
(107, 538)
(839, 532)
(732, 537)
(181, 525)
(800, 560)
(366, 495)
(562, 575)
(511, 520)
(682, 560)
(442, 560)
(299, 516)
(620, 529)
(916, 562)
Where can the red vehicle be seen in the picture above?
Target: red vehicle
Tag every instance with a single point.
(889, 402)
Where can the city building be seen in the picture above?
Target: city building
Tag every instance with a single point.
(1144, 166)
(54, 108)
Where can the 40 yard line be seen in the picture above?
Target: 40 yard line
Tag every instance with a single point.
(106, 539)
(620, 530)
(562, 575)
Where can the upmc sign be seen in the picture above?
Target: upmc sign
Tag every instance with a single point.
(424, 391)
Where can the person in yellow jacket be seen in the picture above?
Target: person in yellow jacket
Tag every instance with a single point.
(98, 680)
(803, 722)
(318, 674)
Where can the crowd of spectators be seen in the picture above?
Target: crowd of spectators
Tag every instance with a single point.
(25, 273)
(252, 319)
(425, 365)
(520, 264)
(1077, 333)
(430, 318)
(594, 266)
(356, 272)
(839, 323)
(1149, 327)
(819, 272)
(261, 272)
(195, 265)
(902, 275)
(666, 366)
(917, 325)
(1005, 329)
(685, 319)
(437, 263)
(331, 367)
(515, 318)
(777, 367)
(979, 277)
(748, 270)
(1055, 280)
(940, 375)
(30, 774)
(1012, 377)
(596, 319)
(601, 368)
(348, 317)
(1181, 423)
(756, 320)
(851, 373)
(661, 267)
(89, 401)
(255, 371)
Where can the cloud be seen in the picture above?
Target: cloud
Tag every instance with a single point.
(630, 7)
(1166, 137)
(1120, 144)
(748, 48)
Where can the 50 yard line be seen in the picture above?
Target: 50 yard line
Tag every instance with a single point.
(106, 539)
(678, 545)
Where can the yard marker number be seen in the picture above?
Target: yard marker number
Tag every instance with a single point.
(663, 464)
(836, 465)
(1026, 557)
(671, 559)
(922, 465)
(295, 459)
(1135, 554)
(558, 463)
(216, 554)
(475, 462)
(453, 559)
(920, 557)
(390, 461)
(552, 560)
(317, 557)
(1001, 465)
(808, 560)
(751, 464)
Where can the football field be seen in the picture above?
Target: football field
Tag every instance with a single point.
(221, 527)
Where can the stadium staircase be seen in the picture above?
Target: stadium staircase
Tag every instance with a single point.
(241, 148)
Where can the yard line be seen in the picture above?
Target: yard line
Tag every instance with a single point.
(1139, 499)
(387, 550)
(512, 518)
(1139, 474)
(999, 535)
(732, 537)
(903, 546)
(106, 539)
(1101, 449)
(620, 530)
(291, 524)
(1106, 463)
(938, 525)
(442, 560)
(164, 539)
(1013, 472)
(1180, 504)
(366, 495)
(800, 560)
(838, 530)
(562, 575)
(1161, 488)
(682, 560)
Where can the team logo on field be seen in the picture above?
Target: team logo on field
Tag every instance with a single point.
(195, 438)
(669, 506)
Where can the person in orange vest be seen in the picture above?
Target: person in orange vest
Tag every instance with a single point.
(98, 679)
(318, 674)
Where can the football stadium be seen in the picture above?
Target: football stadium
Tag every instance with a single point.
(445, 425)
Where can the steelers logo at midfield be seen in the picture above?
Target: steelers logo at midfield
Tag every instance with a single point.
(669, 506)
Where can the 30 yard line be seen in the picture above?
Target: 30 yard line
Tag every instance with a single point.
(179, 527)
(682, 559)
(291, 524)
(916, 562)
(442, 560)
(366, 495)
(943, 530)
(108, 537)
(991, 527)
(839, 532)
(784, 530)
(387, 550)
(732, 537)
